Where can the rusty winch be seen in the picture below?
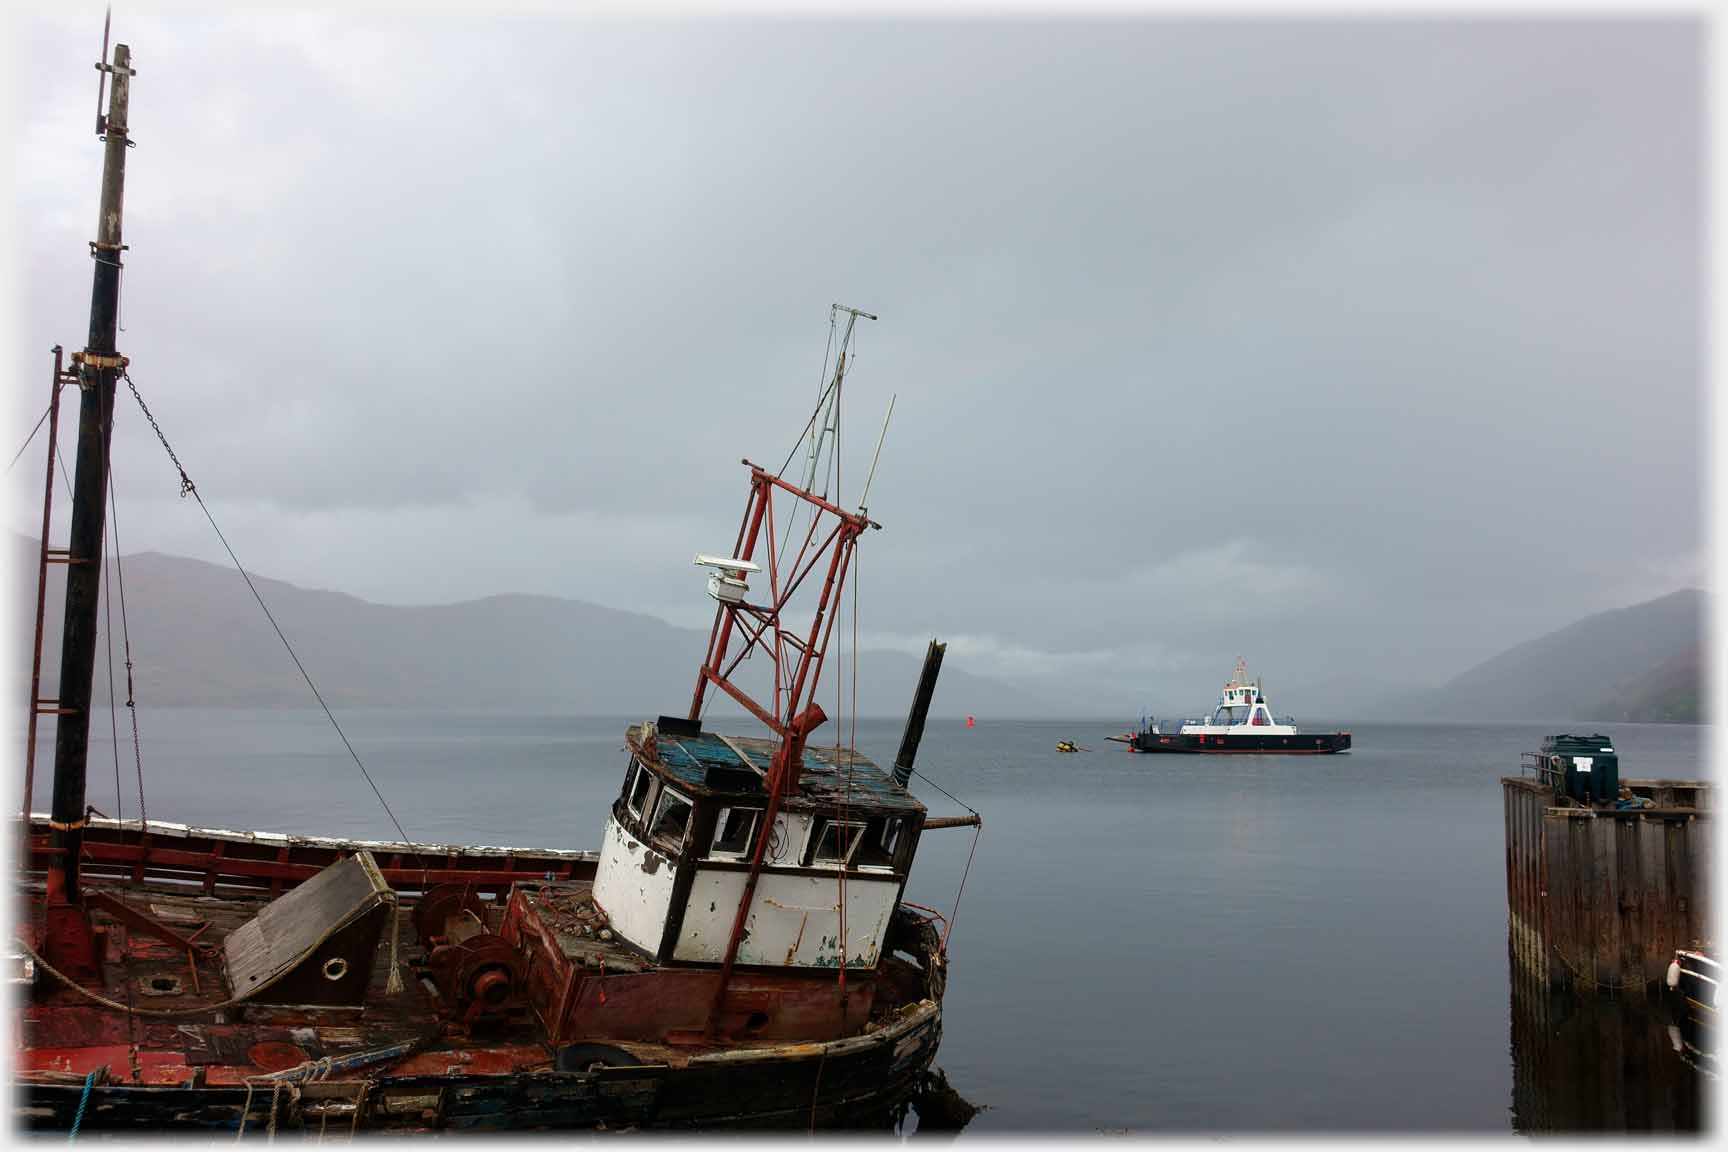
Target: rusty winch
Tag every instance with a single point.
(477, 972)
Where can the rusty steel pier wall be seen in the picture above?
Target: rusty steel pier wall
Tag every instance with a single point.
(1597, 899)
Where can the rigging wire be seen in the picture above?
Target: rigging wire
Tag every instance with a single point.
(945, 792)
(188, 488)
(65, 477)
(977, 830)
(954, 915)
(31, 439)
(125, 647)
(821, 394)
(852, 759)
(304, 674)
(840, 828)
(113, 719)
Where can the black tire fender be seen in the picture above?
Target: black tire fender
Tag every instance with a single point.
(582, 1057)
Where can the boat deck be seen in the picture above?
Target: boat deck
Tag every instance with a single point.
(72, 1034)
(65, 1035)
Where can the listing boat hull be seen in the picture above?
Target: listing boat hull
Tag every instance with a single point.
(863, 1082)
(392, 1065)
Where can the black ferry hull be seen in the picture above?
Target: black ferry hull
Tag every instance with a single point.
(1303, 743)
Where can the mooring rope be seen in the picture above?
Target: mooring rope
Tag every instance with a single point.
(275, 1099)
(394, 984)
(816, 1090)
(83, 1099)
(245, 1110)
(1581, 978)
(164, 1013)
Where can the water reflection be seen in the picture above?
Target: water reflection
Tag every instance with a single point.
(1595, 1064)
(942, 1112)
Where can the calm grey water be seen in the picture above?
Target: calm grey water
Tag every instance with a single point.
(1154, 944)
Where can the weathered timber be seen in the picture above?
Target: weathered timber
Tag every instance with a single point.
(1598, 898)
(921, 698)
(234, 863)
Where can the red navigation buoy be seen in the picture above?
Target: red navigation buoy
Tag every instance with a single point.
(970, 722)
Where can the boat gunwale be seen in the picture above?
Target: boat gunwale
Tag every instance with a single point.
(172, 830)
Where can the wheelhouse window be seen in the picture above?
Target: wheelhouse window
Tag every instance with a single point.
(637, 796)
(733, 833)
(835, 841)
(881, 839)
(671, 821)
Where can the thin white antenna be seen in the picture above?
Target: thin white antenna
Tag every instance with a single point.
(102, 73)
(864, 501)
(828, 417)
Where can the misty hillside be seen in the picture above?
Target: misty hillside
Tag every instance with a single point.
(1671, 692)
(1643, 663)
(199, 638)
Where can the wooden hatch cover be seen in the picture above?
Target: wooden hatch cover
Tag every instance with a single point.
(316, 943)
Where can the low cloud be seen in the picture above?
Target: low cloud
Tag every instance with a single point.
(991, 655)
(1236, 580)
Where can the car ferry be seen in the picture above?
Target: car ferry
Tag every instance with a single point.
(1241, 722)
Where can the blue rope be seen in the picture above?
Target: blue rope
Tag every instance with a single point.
(89, 1078)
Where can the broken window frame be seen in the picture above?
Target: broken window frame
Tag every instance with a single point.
(716, 851)
(643, 781)
(818, 832)
(668, 796)
(881, 843)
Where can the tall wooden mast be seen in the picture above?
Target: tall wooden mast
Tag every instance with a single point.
(67, 937)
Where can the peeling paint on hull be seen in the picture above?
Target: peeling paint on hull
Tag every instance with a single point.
(865, 1081)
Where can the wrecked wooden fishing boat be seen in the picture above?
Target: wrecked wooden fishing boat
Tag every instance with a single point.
(737, 953)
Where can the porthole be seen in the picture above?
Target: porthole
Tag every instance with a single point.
(335, 968)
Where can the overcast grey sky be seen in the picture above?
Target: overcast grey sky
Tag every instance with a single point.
(1363, 349)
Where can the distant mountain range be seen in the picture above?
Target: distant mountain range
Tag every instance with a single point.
(198, 638)
(1645, 663)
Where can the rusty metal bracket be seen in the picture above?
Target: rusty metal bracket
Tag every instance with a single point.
(97, 360)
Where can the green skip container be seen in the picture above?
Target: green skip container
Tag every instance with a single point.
(1588, 765)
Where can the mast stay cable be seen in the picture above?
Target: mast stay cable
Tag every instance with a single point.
(113, 720)
(126, 649)
(31, 439)
(189, 488)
